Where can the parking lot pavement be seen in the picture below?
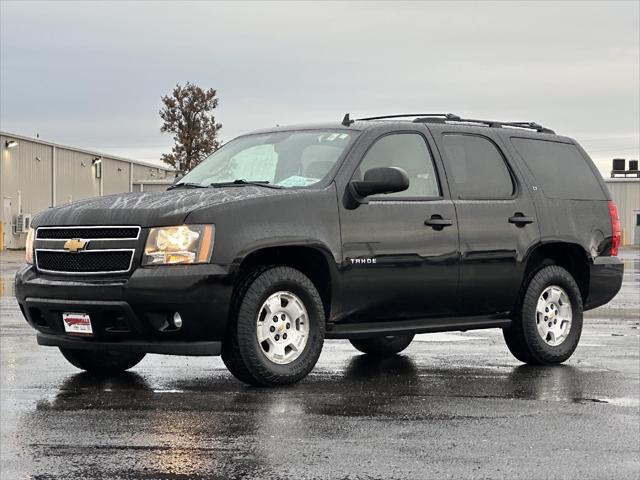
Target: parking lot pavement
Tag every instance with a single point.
(451, 406)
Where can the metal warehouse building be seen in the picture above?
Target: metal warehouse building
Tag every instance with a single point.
(35, 175)
(626, 193)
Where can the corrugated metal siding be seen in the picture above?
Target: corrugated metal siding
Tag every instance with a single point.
(115, 176)
(151, 187)
(26, 169)
(626, 194)
(75, 176)
(141, 172)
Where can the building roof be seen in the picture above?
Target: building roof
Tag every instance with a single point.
(82, 150)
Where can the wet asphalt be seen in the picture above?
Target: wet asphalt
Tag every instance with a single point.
(453, 405)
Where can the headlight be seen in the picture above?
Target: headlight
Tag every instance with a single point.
(181, 244)
(28, 252)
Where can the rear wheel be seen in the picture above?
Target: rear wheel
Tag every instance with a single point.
(102, 361)
(548, 324)
(278, 331)
(383, 346)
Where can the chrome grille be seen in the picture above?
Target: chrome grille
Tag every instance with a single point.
(103, 249)
(87, 233)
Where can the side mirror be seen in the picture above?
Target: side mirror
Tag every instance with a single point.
(381, 180)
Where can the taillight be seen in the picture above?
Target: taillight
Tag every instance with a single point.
(615, 227)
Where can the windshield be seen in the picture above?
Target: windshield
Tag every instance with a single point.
(285, 159)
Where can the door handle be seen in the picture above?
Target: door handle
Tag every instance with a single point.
(520, 220)
(437, 222)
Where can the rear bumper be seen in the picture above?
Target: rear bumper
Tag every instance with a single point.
(605, 280)
(132, 313)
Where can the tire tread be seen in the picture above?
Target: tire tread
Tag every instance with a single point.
(522, 337)
(102, 361)
(241, 359)
(383, 346)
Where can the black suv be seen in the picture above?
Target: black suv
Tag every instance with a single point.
(370, 230)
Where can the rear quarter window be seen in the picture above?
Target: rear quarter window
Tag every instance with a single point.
(560, 169)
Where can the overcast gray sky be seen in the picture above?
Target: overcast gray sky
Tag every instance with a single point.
(91, 74)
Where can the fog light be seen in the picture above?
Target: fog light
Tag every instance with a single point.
(177, 320)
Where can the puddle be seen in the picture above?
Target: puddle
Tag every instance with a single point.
(623, 402)
(590, 400)
(618, 402)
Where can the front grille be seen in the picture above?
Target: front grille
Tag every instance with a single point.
(86, 250)
(102, 233)
(110, 261)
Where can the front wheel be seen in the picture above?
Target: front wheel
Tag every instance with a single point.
(102, 361)
(383, 346)
(278, 330)
(547, 326)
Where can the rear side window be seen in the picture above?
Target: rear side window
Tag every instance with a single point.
(560, 169)
(476, 167)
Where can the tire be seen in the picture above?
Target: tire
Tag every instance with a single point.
(383, 346)
(102, 361)
(266, 363)
(524, 337)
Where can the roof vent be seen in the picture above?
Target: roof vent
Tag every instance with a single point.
(618, 167)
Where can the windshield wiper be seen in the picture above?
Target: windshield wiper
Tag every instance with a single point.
(242, 181)
(187, 185)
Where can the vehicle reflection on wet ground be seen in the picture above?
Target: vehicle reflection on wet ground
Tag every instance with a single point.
(454, 405)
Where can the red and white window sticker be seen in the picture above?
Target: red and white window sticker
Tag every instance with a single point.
(77, 323)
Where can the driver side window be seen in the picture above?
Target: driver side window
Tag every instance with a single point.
(409, 152)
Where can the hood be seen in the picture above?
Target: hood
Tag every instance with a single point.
(147, 209)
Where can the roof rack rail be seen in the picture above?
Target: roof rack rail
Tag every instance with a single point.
(446, 116)
(489, 123)
(450, 117)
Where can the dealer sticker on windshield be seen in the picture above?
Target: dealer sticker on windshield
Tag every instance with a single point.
(77, 323)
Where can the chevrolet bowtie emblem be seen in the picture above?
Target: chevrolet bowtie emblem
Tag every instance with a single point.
(75, 245)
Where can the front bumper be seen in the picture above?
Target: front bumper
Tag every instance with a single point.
(605, 280)
(132, 313)
(163, 347)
